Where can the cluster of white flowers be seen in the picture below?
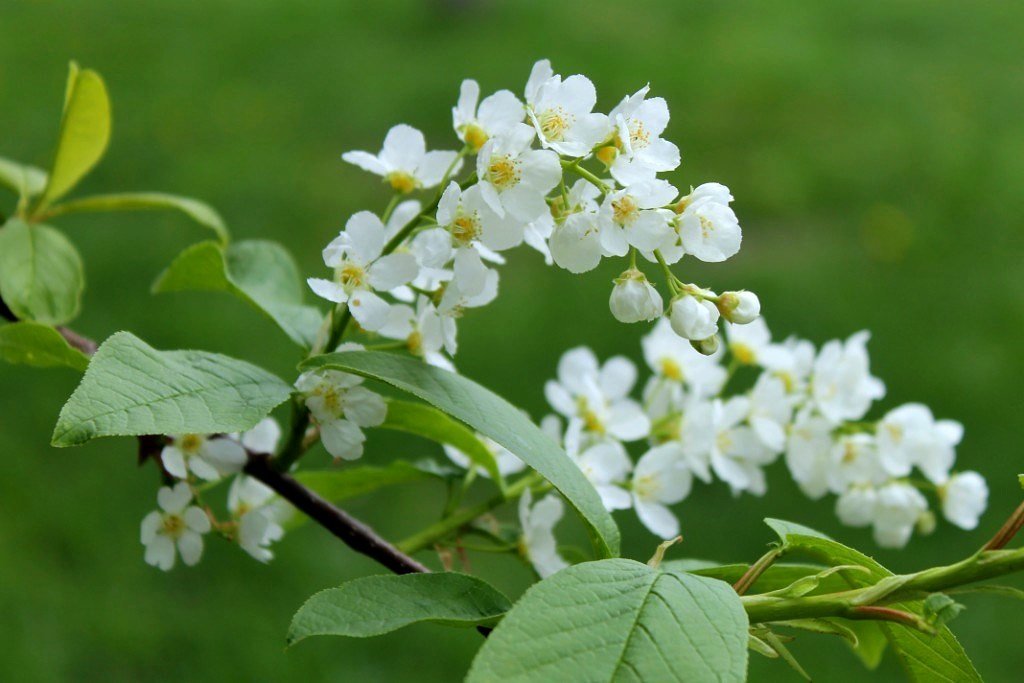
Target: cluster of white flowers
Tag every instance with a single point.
(177, 527)
(805, 405)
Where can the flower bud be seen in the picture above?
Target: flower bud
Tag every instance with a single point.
(633, 298)
(692, 318)
(706, 347)
(739, 307)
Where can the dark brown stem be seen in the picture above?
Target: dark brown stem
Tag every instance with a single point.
(83, 344)
(1007, 531)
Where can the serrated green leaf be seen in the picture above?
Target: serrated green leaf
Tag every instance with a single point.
(131, 389)
(41, 273)
(84, 132)
(430, 423)
(375, 605)
(201, 212)
(27, 181)
(493, 417)
(925, 658)
(618, 620)
(41, 346)
(259, 272)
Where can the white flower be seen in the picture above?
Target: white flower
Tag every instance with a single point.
(791, 361)
(562, 112)
(842, 385)
(741, 307)
(340, 407)
(258, 522)
(454, 301)
(633, 217)
(674, 361)
(359, 268)
(692, 318)
(897, 510)
(737, 454)
(659, 480)
(175, 525)
(538, 524)
(708, 228)
(633, 298)
(496, 114)
(514, 178)
(506, 461)
(771, 410)
(206, 457)
(538, 232)
(909, 435)
(856, 505)
(964, 497)
(750, 344)
(405, 162)
(424, 330)
(595, 398)
(262, 438)
(642, 153)
(808, 453)
(854, 460)
(606, 465)
(576, 243)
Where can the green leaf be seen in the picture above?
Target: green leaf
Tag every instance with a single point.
(430, 423)
(84, 132)
(618, 620)
(493, 417)
(375, 605)
(41, 274)
(132, 389)
(40, 346)
(201, 212)
(925, 658)
(259, 272)
(27, 181)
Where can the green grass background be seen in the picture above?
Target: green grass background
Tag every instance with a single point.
(876, 151)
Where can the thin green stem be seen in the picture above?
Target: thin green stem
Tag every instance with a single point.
(670, 277)
(389, 209)
(575, 167)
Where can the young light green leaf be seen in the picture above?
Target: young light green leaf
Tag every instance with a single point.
(201, 212)
(825, 626)
(84, 132)
(493, 417)
(259, 272)
(430, 423)
(618, 620)
(27, 181)
(925, 658)
(762, 648)
(375, 605)
(941, 609)
(40, 346)
(41, 273)
(132, 389)
(808, 584)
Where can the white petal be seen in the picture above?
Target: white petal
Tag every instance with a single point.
(434, 166)
(151, 523)
(160, 553)
(369, 310)
(658, 519)
(365, 408)
(366, 161)
(366, 234)
(342, 439)
(190, 545)
(327, 289)
(393, 270)
(174, 500)
(470, 271)
(197, 520)
(174, 462)
(403, 148)
(628, 421)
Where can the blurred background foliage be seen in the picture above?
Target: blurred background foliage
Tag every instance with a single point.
(876, 151)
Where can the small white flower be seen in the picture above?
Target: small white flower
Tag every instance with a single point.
(506, 461)
(262, 438)
(206, 457)
(791, 361)
(538, 232)
(359, 268)
(808, 453)
(909, 435)
(340, 406)
(606, 465)
(842, 385)
(595, 398)
(454, 302)
(741, 307)
(854, 460)
(964, 497)
(404, 161)
(856, 505)
(177, 525)
(562, 112)
(258, 522)
(496, 114)
(692, 318)
(737, 454)
(424, 331)
(674, 362)
(771, 410)
(897, 510)
(642, 152)
(708, 228)
(634, 217)
(750, 344)
(633, 298)
(514, 178)
(538, 524)
(659, 480)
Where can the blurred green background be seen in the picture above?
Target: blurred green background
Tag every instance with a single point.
(876, 151)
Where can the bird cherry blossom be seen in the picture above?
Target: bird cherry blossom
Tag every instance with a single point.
(177, 528)
(404, 161)
(496, 113)
(341, 407)
(205, 456)
(638, 150)
(538, 542)
(561, 112)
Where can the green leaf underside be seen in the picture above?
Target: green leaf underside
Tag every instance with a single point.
(430, 423)
(618, 620)
(84, 132)
(375, 605)
(925, 658)
(41, 273)
(259, 272)
(493, 417)
(200, 212)
(41, 346)
(132, 389)
(27, 181)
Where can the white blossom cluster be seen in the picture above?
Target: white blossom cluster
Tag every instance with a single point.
(806, 406)
(177, 528)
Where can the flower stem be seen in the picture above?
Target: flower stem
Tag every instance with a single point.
(575, 167)
(754, 572)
